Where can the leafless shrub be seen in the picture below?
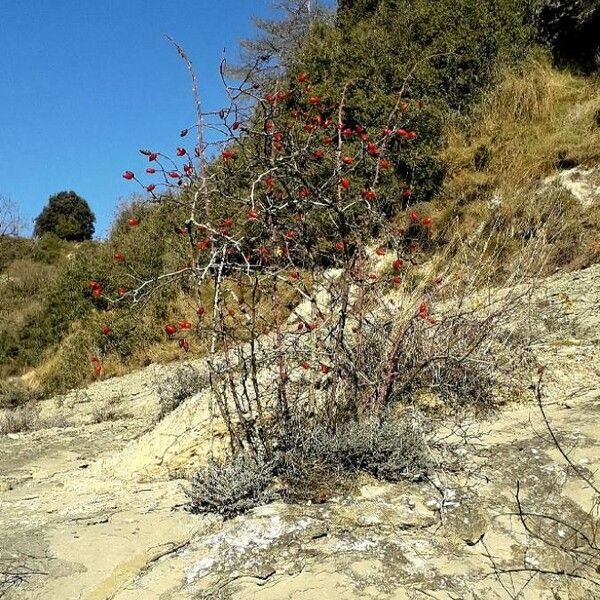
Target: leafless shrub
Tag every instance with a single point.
(16, 570)
(570, 537)
(109, 411)
(11, 221)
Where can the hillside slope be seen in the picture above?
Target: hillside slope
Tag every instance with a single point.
(94, 510)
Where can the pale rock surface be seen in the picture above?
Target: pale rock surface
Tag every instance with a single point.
(95, 511)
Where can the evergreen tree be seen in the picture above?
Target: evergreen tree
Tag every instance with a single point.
(68, 216)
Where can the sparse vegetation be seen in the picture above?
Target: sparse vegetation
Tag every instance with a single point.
(185, 381)
(16, 420)
(313, 463)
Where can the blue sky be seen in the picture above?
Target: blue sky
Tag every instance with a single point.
(86, 83)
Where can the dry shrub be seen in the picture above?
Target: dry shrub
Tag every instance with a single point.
(22, 418)
(231, 486)
(312, 462)
(13, 394)
(181, 384)
(110, 411)
(316, 461)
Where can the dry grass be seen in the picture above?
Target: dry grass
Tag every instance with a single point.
(16, 420)
(535, 123)
(536, 119)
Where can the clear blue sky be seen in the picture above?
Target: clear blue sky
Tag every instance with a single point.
(86, 83)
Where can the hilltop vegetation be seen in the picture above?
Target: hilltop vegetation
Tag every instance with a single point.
(494, 116)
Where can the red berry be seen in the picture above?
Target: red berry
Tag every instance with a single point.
(414, 216)
(181, 152)
(150, 171)
(372, 149)
(380, 251)
(200, 311)
(294, 275)
(303, 77)
(305, 365)
(128, 175)
(122, 291)
(152, 156)
(170, 329)
(184, 344)
(339, 246)
(150, 188)
(118, 256)
(347, 160)
(398, 264)
(345, 183)
(368, 195)
(324, 369)
(318, 154)
(133, 222)
(314, 100)
(384, 164)
(174, 175)
(106, 330)
(426, 222)
(252, 215)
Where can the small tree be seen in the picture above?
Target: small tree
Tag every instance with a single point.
(10, 219)
(68, 216)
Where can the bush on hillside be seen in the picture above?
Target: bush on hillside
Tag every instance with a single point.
(445, 53)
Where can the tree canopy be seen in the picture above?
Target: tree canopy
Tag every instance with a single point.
(68, 216)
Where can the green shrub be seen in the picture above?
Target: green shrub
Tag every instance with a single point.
(386, 447)
(445, 52)
(312, 463)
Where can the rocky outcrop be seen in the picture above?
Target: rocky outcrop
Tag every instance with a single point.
(95, 509)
